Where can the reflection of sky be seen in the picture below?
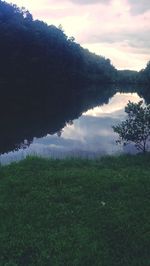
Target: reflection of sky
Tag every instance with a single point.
(88, 136)
(115, 106)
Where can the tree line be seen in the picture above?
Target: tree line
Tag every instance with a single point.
(34, 55)
(32, 51)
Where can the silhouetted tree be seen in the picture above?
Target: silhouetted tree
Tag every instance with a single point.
(34, 53)
(144, 75)
(136, 128)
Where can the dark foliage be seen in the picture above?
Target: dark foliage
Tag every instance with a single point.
(127, 76)
(134, 77)
(136, 128)
(144, 75)
(34, 53)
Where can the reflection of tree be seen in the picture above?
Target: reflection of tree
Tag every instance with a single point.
(70, 122)
(144, 92)
(47, 115)
(59, 133)
(24, 144)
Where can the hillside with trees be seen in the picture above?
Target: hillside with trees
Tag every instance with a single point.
(144, 75)
(144, 83)
(33, 52)
(127, 76)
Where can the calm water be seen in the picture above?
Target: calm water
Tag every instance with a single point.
(89, 135)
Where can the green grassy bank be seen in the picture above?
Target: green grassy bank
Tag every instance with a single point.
(75, 212)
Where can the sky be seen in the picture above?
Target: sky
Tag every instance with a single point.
(116, 29)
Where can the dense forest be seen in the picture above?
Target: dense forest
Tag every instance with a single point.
(34, 52)
(144, 75)
(127, 76)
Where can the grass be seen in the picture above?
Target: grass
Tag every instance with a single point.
(75, 212)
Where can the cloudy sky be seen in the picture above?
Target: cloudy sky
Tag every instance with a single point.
(116, 29)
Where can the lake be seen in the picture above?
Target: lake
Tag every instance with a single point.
(84, 129)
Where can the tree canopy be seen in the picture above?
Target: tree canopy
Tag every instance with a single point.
(32, 49)
(144, 75)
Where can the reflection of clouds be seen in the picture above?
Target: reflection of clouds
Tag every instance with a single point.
(58, 142)
(74, 131)
(89, 136)
(116, 105)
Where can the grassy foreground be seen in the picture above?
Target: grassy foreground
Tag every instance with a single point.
(75, 212)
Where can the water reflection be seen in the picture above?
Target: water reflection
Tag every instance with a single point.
(26, 118)
(88, 136)
(116, 105)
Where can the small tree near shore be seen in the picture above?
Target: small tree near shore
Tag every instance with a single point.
(136, 128)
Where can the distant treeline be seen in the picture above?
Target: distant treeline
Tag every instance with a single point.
(136, 81)
(135, 77)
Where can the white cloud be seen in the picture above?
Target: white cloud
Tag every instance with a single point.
(138, 7)
(90, 2)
